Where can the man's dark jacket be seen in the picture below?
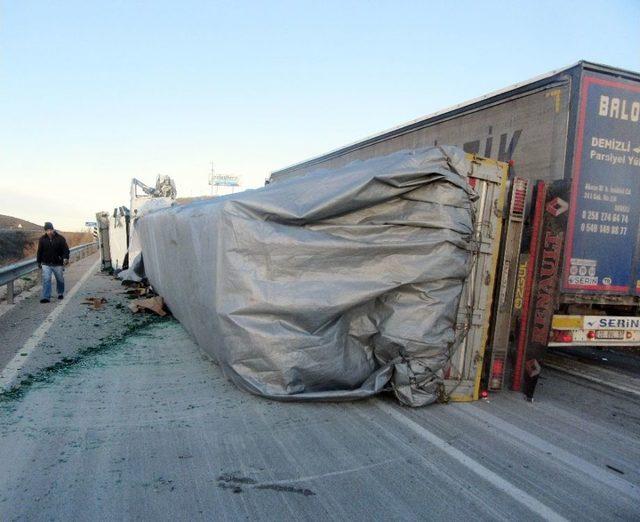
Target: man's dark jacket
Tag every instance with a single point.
(52, 251)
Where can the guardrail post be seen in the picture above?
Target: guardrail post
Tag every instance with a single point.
(10, 292)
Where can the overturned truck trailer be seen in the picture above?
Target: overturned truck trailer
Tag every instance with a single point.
(570, 273)
(340, 283)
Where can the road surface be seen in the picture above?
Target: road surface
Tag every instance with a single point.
(137, 424)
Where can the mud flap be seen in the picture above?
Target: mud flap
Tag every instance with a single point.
(531, 374)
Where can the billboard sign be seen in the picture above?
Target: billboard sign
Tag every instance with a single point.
(224, 180)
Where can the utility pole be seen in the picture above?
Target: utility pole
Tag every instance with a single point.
(211, 180)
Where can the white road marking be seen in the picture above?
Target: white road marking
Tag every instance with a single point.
(496, 480)
(579, 464)
(11, 371)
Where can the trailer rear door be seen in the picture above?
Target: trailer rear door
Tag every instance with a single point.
(464, 370)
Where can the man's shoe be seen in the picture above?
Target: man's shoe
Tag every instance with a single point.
(61, 296)
(44, 300)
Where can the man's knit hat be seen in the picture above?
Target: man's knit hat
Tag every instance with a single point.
(48, 225)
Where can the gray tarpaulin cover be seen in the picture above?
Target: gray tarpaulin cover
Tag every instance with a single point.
(329, 286)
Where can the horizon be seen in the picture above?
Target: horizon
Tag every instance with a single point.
(112, 92)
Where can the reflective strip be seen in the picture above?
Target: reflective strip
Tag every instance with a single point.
(566, 322)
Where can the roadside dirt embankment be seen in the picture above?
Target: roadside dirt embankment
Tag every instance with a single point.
(16, 245)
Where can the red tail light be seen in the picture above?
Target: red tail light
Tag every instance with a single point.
(562, 336)
(519, 198)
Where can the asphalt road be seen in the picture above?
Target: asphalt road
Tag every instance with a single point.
(36, 336)
(624, 360)
(138, 425)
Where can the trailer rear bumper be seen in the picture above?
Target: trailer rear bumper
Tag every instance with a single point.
(586, 330)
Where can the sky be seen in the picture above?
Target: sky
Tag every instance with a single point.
(94, 93)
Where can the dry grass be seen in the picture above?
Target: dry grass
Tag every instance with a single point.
(17, 244)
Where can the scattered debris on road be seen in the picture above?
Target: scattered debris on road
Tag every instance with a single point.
(153, 304)
(138, 290)
(96, 303)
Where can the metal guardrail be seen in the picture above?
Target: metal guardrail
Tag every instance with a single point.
(9, 273)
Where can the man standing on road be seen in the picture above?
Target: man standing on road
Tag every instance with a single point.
(53, 253)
